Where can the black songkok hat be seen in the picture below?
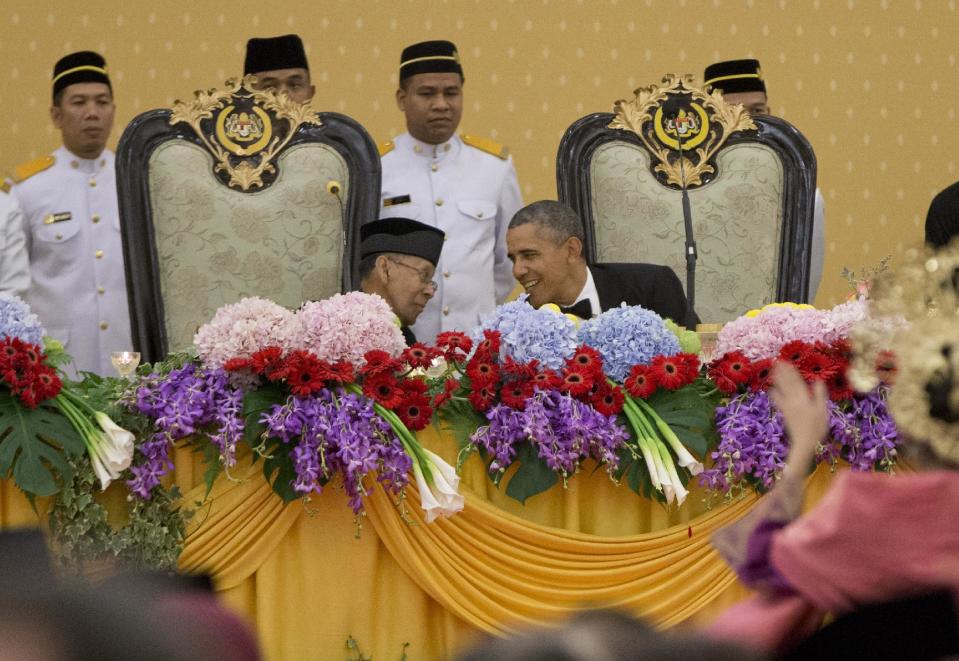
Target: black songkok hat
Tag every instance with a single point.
(735, 76)
(430, 57)
(272, 53)
(401, 235)
(82, 67)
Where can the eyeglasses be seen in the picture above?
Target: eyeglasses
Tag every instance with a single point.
(424, 278)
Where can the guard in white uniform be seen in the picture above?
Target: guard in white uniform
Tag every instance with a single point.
(14, 268)
(72, 222)
(464, 186)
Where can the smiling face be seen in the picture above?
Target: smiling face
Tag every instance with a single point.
(550, 272)
(84, 116)
(433, 105)
(295, 82)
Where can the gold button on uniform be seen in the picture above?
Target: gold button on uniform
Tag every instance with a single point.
(93, 183)
(434, 167)
(101, 290)
(59, 236)
(446, 147)
(99, 254)
(446, 310)
(96, 218)
(104, 325)
(445, 237)
(417, 149)
(446, 274)
(74, 165)
(439, 202)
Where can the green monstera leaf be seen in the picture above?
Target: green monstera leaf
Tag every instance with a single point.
(33, 445)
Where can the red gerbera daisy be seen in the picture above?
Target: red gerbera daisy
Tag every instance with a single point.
(587, 360)
(378, 361)
(489, 345)
(482, 398)
(841, 349)
(342, 372)
(454, 344)
(482, 372)
(515, 393)
(669, 371)
(839, 387)
(449, 387)
(762, 374)
(236, 364)
(794, 352)
(28, 396)
(520, 370)
(546, 380)
(577, 381)
(419, 355)
(641, 382)
(886, 367)
(817, 366)
(413, 385)
(691, 366)
(608, 399)
(47, 383)
(266, 360)
(30, 352)
(731, 371)
(304, 376)
(384, 389)
(415, 411)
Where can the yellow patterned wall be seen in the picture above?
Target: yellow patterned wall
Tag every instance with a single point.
(871, 83)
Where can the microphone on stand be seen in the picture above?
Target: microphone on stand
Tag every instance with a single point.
(691, 254)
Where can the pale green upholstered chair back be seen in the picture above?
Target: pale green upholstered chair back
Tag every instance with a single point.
(241, 194)
(751, 193)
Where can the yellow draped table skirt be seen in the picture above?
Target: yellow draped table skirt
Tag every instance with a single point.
(308, 581)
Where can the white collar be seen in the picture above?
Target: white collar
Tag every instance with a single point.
(590, 293)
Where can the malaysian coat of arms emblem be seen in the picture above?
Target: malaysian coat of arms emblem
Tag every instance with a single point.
(682, 126)
(244, 129)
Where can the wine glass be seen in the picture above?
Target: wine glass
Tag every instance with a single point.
(708, 336)
(125, 362)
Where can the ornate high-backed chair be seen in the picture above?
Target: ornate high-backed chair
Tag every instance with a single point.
(751, 187)
(238, 193)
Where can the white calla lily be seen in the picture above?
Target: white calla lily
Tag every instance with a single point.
(439, 495)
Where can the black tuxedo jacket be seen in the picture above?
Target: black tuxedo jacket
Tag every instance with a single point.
(654, 287)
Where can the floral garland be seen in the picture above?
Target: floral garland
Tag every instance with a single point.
(753, 443)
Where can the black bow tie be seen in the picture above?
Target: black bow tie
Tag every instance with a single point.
(582, 309)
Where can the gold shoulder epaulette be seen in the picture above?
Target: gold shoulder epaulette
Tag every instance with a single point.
(26, 170)
(487, 145)
(385, 148)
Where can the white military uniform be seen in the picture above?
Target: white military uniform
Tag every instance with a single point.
(78, 287)
(471, 193)
(14, 267)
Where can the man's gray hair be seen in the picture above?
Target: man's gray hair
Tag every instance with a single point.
(558, 219)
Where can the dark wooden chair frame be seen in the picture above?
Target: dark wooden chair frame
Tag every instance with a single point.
(151, 129)
(584, 136)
